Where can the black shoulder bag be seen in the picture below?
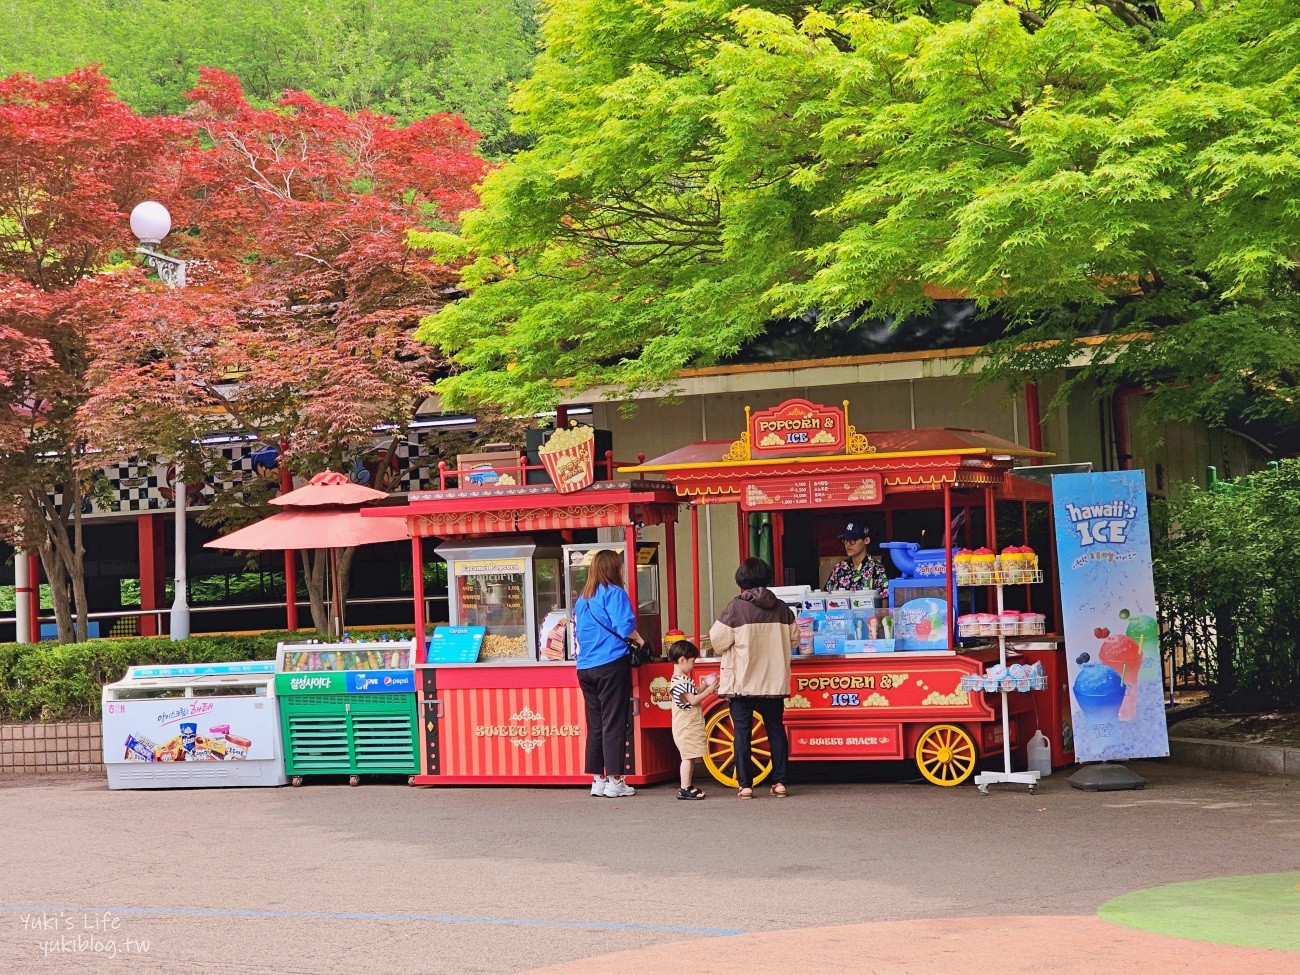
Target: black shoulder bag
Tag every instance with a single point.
(639, 652)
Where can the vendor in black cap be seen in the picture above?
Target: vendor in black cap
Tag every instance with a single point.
(859, 572)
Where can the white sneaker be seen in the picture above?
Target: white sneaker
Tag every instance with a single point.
(617, 788)
(598, 785)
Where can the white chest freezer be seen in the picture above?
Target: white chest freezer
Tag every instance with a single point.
(193, 726)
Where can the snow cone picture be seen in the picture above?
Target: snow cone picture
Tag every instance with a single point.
(1098, 689)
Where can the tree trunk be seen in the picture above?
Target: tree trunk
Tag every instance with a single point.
(63, 563)
(52, 565)
(77, 572)
(344, 565)
(314, 569)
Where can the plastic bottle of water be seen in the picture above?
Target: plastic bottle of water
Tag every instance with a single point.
(1039, 753)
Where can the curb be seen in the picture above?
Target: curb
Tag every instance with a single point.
(1236, 757)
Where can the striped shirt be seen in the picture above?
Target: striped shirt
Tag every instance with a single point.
(683, 685)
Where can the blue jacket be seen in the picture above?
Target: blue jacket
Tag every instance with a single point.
(596, 645)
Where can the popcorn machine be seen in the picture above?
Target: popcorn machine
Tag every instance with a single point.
(505, 588)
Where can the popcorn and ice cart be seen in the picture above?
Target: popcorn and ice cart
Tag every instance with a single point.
(514, 715)
(347, 709)
(922, 701)
(193, 726)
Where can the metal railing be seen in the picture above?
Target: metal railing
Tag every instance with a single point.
(1188, 649)
(160, 616)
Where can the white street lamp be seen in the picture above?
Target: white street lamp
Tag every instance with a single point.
(151, 222)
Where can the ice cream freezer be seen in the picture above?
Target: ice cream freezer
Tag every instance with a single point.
(193, 726)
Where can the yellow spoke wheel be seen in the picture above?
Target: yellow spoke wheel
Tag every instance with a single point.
(946, 754)
(720, 749)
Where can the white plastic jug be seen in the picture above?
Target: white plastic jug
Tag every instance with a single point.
(1039, 753)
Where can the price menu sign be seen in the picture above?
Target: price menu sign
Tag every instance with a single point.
(839, 491)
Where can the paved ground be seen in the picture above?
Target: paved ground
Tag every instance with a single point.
(846, 878)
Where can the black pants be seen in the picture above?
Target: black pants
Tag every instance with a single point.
(607, 691)
(772, 711)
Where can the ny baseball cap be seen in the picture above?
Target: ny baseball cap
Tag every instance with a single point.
(854, 530)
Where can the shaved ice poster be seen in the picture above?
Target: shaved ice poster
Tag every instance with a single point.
(1108, 602)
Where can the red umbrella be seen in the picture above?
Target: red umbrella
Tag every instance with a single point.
(329, 488)
(313, 528)
(323, 514)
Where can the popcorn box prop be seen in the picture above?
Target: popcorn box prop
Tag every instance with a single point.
(569, 457)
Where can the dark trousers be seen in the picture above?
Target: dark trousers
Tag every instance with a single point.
(607, 691)
(772, 711)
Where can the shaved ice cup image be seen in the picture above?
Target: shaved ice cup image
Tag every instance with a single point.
(1099, 692)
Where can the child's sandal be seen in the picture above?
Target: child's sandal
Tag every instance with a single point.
(691, 793)
(745, 793)
(779, 791)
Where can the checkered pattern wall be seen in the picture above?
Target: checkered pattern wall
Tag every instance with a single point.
(146, 484)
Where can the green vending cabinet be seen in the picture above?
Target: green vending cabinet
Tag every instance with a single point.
(352, 713)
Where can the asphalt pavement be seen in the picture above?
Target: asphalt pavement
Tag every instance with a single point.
(384, 878)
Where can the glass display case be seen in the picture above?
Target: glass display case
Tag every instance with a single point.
(294, 658)
(505, 588)
(577, 560)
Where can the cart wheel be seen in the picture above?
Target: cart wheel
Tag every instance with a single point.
(945, 754)
(1033, 790)
(720, 750)
(984, 790)
(354, 780)
(296, 781)
(410, 780)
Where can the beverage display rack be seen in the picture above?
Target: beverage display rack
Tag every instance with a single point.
(1030, 778)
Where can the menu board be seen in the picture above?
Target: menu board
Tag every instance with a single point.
(837, 491)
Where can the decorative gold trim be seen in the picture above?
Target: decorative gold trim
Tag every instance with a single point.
(858, 443)
(739, 450)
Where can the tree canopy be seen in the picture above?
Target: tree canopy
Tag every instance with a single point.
(406, 58)
(303, 293)
(701, 167)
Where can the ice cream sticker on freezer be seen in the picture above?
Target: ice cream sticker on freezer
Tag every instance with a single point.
(1112, 636)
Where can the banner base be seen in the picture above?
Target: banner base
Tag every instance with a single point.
(1106, 777)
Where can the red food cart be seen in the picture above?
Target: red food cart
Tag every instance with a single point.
(801, 456)
(512, 716)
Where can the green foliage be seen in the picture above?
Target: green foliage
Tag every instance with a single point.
(401, 57)
(1228, 579)
(62, 682)
(703, 166)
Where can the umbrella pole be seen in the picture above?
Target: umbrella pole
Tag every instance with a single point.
(336, 604)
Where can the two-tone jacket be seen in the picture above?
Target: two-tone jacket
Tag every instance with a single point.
(753, 638)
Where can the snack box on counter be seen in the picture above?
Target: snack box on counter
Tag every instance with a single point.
(838, 643)
(869, 646)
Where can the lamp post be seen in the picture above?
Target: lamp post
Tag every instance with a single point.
(150, 222)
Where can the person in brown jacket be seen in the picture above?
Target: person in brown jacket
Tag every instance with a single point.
(753, 638)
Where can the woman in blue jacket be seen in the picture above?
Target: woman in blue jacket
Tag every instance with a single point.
(603, 621)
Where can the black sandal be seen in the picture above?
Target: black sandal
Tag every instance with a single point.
(691, 793)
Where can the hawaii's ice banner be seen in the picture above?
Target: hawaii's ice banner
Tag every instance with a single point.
(1108, 605)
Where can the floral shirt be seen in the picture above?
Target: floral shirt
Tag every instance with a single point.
(869, 575)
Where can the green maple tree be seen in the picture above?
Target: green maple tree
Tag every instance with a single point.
(1123, 173)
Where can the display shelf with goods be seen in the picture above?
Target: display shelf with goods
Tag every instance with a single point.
(193, 726)
(347, 709)
(1006, 685)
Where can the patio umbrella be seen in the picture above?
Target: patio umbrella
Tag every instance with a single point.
(321, 514)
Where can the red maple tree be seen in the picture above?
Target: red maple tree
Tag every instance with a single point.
(73, 161)
(297, 324)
